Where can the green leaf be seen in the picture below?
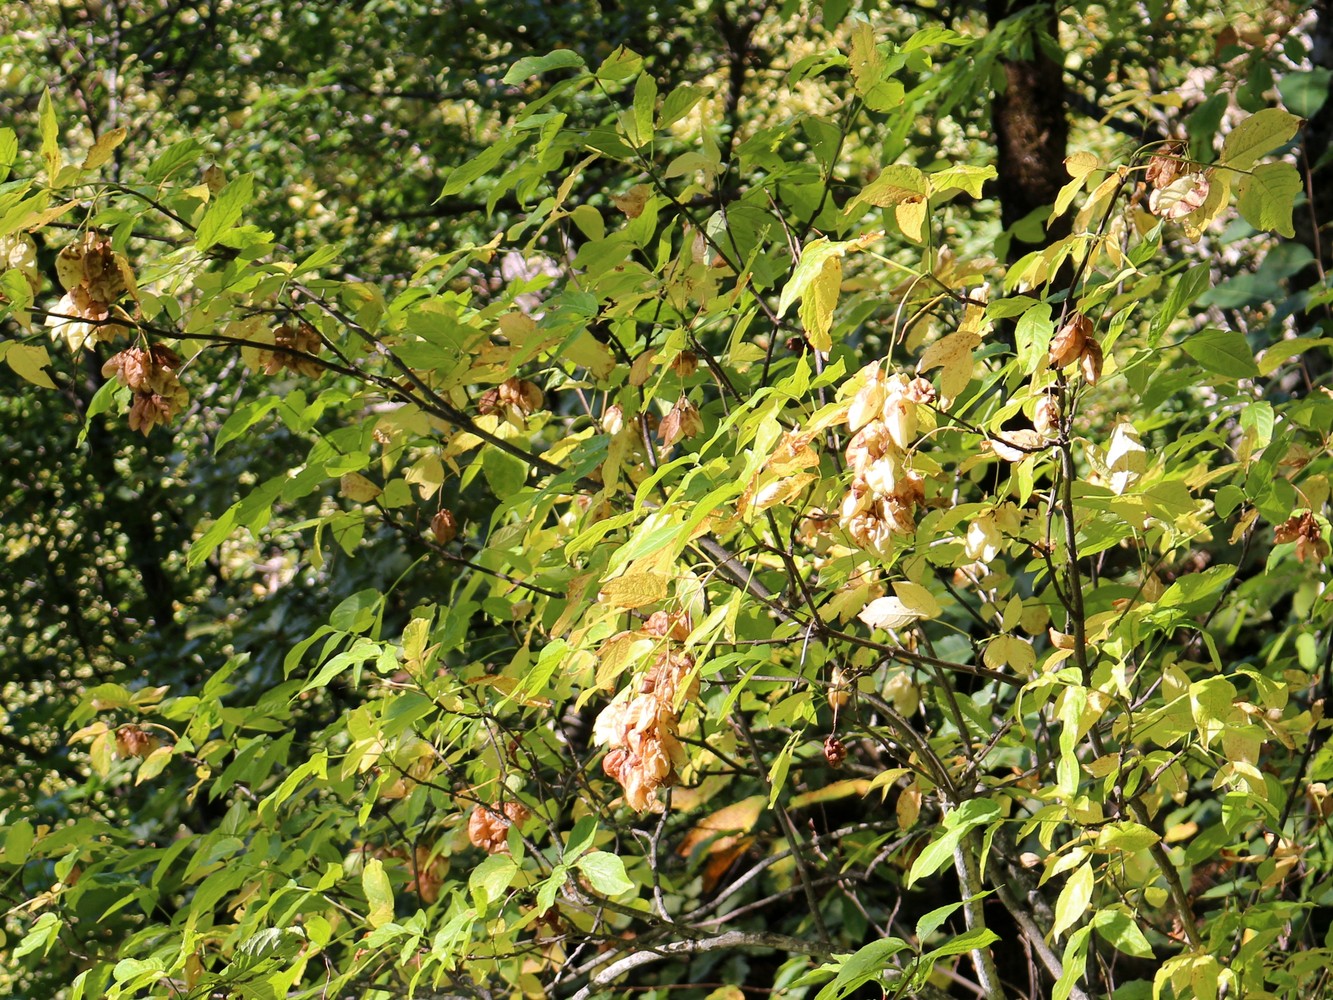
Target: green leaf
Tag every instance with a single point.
(968, 816)
(1305, 91)
(505, 474)
(490, 879)
(777, 774)
(242, 419)
(41, 937)
(9, 151)
(1261, 133)
(1266, 197)
(175, 157)
(18, 841)
(605, 873)
(356, 614)
(866, 964)
(1074, 900)
(537, 65)
(225, 211)
(49, 130)
(1121, 931)
(103, 400)
(1074, 960)
(1222, 352)
(379, 893)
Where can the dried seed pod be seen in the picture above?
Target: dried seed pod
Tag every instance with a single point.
(1067, 345)
(133, 741)
(488, 830)
(682, 421)
(835, 752)
(1046, 417)
(685, 364)
(1166, 165)
(444, 526)
(1090, 362)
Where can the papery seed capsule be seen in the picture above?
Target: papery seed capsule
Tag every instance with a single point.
(834, 751)
(444, 526)
(1067, 345)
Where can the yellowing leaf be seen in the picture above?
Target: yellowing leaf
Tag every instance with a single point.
(897, 183)
(28, 362)
(379, 893)
(817, 305)
(1263, 131)
(1010, 651)
(49, 130)
(911, 216)
(917, 598)
(953, 355)
(813, 277)
(634, 590)
(830, 793)
(358, 488)
(889, 612)
(1081, 164)
(961, 176)
(737, 818)
(103, 148)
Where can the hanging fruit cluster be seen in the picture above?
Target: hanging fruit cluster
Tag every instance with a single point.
(641, 729)
(884, 416)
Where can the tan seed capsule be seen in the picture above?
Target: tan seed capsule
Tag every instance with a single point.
(444, 526)
(1067, 345)
(1090, 362)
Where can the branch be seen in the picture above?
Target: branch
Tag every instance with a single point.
(731, 939)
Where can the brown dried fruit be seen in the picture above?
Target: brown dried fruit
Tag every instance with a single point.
(1166, 165)
(514, 399)
(1046, 417)
(682, 421)
(669, 625)
(444, 526)
(1090, 362)
(488, 830)
(158, 407)
(1067, 345)
(133, 741)
(1304, 530)
(685, 364)
(304, 338)
(834, 751)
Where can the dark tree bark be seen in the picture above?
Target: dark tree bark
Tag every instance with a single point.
(1031, 129)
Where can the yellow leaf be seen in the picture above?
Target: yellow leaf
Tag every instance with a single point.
(103, 148)
(358, 488)
(634, 590)
(953, 355)
(1081, 164)
(28, 362)
(829, 793)
(1010, 651)
(917, 598)
(911, 216)
(817, 304)
(889, 612)
(739, 817)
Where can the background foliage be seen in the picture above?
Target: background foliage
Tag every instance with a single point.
(574, 499)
